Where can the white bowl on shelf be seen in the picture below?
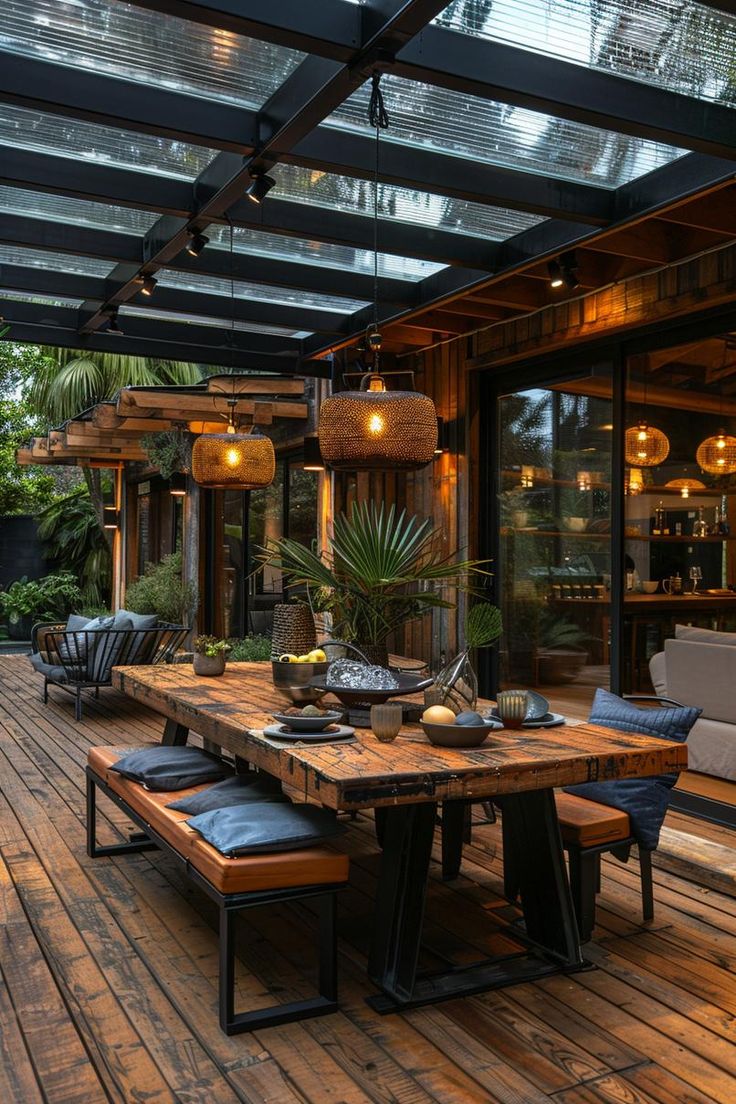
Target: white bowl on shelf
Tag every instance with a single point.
(649, 586)
(575, 524)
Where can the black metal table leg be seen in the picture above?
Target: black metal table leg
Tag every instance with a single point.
(175, 734)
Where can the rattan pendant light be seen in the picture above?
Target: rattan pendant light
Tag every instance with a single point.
(645, 445)
(717, 455)
(233, 460)
(374, 429)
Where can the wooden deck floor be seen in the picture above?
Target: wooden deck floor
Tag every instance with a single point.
(109, 970)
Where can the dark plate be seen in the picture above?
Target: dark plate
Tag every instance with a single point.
(408, 684)
(549, 720)
(334, 734)
(307, 724)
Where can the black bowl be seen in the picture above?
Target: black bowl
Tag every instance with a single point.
(408, 684)
(299, 723)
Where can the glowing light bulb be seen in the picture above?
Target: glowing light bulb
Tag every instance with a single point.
(642, 435)
(232, 457)
(375, 424)
(720, 441)
(685, 492)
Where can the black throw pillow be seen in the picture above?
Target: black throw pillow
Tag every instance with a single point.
(272, 826)
(644, 799)
(241, 789)
(172, 768)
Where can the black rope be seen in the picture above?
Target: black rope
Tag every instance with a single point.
(379, 119)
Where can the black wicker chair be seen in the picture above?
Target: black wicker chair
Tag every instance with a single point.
(77, 660)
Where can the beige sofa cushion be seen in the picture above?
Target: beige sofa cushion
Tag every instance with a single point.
(704, 636)
(704, 675)
(658, 674)
(711, 748)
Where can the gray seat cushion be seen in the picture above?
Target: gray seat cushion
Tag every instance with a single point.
(268, 826)
(52, 671)
(241, 789)
(172, 768)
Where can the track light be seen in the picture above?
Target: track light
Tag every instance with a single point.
(312, 455)
(113, 325)
(197, 243)
(259, 187)
(178, 485)
(148, 284)
(555, 274)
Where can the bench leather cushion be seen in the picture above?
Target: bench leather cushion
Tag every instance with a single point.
(246, 874)
(586, 823)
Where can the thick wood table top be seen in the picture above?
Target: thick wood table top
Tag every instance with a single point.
(232, 710)
(679, 602)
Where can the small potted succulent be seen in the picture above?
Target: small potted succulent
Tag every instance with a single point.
(209, 655)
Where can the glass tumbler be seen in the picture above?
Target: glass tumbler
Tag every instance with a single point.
(386, 720)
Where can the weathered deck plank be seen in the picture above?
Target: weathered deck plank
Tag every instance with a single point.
(109, 968)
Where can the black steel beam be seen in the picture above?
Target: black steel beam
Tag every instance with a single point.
(203, 344)
(315, 88)
(124, 249)
(44, 281)
(509, 74)
(688, 176)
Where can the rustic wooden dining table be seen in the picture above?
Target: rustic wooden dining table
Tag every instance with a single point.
(408, 778)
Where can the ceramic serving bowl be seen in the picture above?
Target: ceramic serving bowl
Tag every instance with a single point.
(407, 684)
(298, 723)
(292, 680)
(459, 736)
(649, 586)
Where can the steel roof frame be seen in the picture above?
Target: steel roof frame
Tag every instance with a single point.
(344, 43)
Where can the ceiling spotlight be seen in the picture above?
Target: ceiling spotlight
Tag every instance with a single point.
(555, 274)
(569, 270)
(197, 243)
(312, 455)
(148, 284)
(259, 187)
(113, 325)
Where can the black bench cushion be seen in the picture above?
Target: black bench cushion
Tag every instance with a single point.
(309, 867)
(246, 830)
(241, 789)
(172, 768)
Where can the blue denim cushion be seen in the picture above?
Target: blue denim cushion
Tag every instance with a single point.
(267, 826)
(644, 799)
(162, 767)
(241, 789)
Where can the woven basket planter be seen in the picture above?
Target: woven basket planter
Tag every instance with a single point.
(293, 630)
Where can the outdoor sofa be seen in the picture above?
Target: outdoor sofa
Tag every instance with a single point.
(81, 654)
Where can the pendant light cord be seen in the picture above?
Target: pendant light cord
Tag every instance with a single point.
(379, 119)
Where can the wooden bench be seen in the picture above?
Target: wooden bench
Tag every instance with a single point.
(588, 830)
(232, 883)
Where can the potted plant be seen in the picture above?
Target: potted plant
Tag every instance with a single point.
(170, 451)
(381, 569)
(29, 600)
(209, 655)
(559, 650)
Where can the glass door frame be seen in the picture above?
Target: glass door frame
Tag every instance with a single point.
(541, 373)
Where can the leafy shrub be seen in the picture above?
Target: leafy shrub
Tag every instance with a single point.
(250, 649)
(161, 590)
(51, 597)
(170, 451)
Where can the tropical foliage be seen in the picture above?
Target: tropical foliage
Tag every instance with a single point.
(45, 599)
(73, 540)
(170, 451)
(483, 625)
(250, 649)
(162, 591)
(381, 570)
(23, 490)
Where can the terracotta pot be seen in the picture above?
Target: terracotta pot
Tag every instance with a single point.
(209, 665)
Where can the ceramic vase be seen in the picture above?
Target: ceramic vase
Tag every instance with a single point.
(209, 665)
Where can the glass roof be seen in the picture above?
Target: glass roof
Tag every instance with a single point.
(80, 212)
(501, 134)
(207, 320)
(302, 251)
(56, 262)
(45, 300)
(344, 193)
(75, 138)
(675, 44)
(122, 40)
(214, 285)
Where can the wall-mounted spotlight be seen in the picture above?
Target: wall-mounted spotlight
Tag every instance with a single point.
(197, 242)
(442, 445)
(259, 187)
(113, 326)
(111, 517)
(555, 274)
(178, 485)
(148, 284)
(313, 455)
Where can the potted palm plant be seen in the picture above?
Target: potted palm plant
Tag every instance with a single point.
(381, 569)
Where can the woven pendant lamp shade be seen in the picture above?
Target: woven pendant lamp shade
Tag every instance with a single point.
(685, 486)
(717, 455)
(377, 430)
(633, 481)
(646, 446)
(243, 461)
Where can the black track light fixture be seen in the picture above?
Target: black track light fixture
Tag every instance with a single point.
(312, 455)
(259, 187)
(114, 325)
(147, 285)
(555, 274)
(196, 244)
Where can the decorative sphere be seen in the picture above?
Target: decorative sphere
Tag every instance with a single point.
(469, 717)
(438, 714)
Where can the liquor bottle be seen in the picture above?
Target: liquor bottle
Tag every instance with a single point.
(700, 525)
(658, 528)
(724, 528)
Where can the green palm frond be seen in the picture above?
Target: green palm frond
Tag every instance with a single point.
(483, 625)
